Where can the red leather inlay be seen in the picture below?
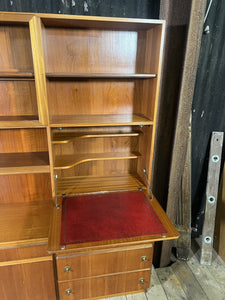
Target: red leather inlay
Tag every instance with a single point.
(108, 216)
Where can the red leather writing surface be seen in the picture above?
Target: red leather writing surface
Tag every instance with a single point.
(108, 216)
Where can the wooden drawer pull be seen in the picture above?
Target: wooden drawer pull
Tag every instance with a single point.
(144, 258)
(142, 280)
(67, 269)
(68, 292)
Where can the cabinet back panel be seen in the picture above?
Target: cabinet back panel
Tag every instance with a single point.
(97, 51)
(98, 145)
(18, 98)
(91, 97)
(15, 50)
(23, 140)
(101, 168)
(25, 188)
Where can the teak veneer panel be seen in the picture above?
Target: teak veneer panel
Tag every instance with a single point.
(18, 98)
(18, 188)
(15, 50)
(24, 223)
(68, 161)
(68, 137)
(104, 263)
(99, 120)
(105, 285)
(27, 281)
(93, 184)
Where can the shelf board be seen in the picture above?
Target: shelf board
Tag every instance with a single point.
(16, 74)
(66, 75)
(21, 163)
(24, 223)
(63, 162)
(20, 121)
(92, 184)
(68, 137)
(99, 120)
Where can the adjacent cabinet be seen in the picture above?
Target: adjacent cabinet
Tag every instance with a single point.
(78, 107)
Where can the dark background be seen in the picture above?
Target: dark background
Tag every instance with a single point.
(209, 98)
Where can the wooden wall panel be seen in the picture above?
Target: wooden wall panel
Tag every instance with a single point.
(15, 51)
(23, 140)
(25, 187)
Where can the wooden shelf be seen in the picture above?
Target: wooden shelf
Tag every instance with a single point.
(24, 223)
(93, 184)
(68, 137)
(66, 75)
(98, 120)
(20, 121)
(21, 163)
(63, 162)
(16, 74)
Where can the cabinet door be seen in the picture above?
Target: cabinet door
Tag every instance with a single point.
(27, 281)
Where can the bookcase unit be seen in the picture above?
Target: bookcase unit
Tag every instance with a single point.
(78, 99)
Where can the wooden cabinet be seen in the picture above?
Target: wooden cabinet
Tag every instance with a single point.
(78, 107)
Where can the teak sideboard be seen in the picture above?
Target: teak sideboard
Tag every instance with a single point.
(78, 108)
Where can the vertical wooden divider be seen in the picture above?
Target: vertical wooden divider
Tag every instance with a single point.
(36, 34)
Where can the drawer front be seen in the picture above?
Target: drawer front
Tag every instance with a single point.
(104, 286)
(81, 266)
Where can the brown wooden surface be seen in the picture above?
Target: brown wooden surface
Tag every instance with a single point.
(104, 263)
(20, 163)
(105, 285)
(219, 238)
(18, 188)
(23, 253)
(20, 122)
(24, 223)
(23, 140)
(99, 120)
(68, 137)
(15, 52)
(55, 227)
(93, 184)
(16, 74)
(39, 68)
(18, 98)
(68, 161)
(211, 191)
(26, 281)
(97, 75)
(181, 132)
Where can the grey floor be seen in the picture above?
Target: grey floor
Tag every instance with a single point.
(185, 280)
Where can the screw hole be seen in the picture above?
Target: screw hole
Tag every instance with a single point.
(215, 158)
(208, 240)
(211, 199)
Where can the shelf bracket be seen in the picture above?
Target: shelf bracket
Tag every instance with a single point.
(149, 187)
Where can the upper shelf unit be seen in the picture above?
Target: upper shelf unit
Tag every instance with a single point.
(106, 75)
(19, 105)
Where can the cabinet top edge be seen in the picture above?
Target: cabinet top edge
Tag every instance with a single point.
(52, 19)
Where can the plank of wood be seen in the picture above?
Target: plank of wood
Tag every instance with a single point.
(55, 75)
(99, 120)
(68, 161)
(156, 290)
(16, 74)
(191, 287)
(68, 137)
(170, 284)
(206, 279)
(211, 197)
(185, 102)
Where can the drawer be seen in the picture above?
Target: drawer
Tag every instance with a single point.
(104, 286)
(87, 265)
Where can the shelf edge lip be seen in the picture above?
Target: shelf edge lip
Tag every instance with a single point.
(64, 75)
(100, 124)
(25, 170)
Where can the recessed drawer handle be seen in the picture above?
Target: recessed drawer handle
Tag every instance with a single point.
(68, 291)
(67, 269)
(144, 258)
(142, 280)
